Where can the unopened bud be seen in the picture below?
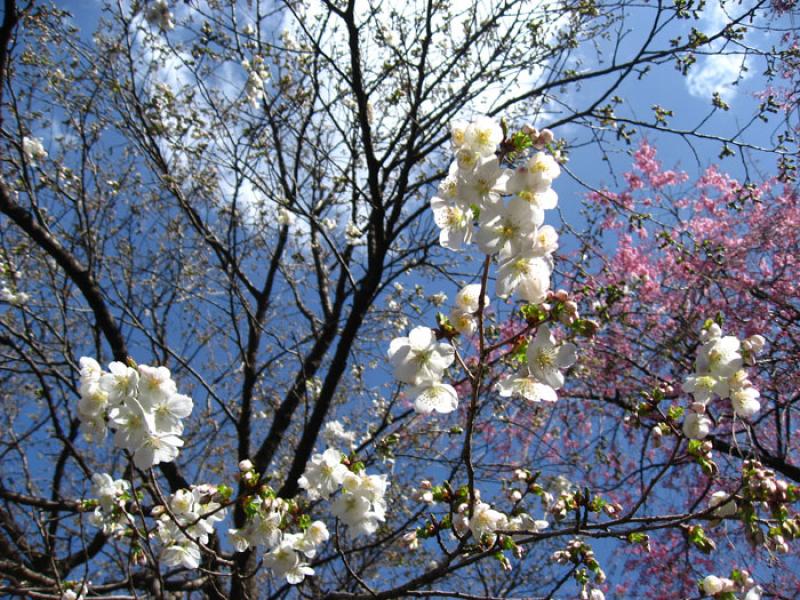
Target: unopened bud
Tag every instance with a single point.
(657, 436)
(245, 465)
(756, 343)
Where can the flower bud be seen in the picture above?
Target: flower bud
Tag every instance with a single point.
(410, 540)
(546, 136)
(712, 585)
(246, 465)
(698, 407)
(656, 435)
(756, 343)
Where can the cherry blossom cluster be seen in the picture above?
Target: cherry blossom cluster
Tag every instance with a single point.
(33, 149)
(719, 372)
(420, 361)
(141, 404)
(185, 522)
(580, 553)
(484, 523)
(266, 524)
(157, 14)
(763, 490)
(541, 376)
(257, 76)
(513, 230)
(728, 588)
(112, 496)
(9, 292)
(75, 590)
(361, 505)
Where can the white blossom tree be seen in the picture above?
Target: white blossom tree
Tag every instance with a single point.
(228, 228)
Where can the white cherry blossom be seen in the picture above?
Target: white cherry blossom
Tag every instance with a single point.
(324, 474)
(696, 426)
(419, 358)
(483, 184)
(536, 175)
(485, 521)
(508, 227)
(744, 402)
(284, 561)
(528, 276)
(438, 397)
(483, 135)
(455, 222)
(546, 359)
(527, 386)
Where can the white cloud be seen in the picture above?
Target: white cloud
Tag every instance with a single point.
(718, 72)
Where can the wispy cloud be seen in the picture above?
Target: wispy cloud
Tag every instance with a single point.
(719, 72)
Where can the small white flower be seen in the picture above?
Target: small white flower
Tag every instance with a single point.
(439, 397)
(438, 299)
(546, 358)
(483, 135)
(158, 15)
(712, 585)
(528, 387)
(508, 228)
(157, 448)
(464, 322)
(756, 343)
(335, 433)
(485, 521)
(482, 183)
(719, 357)
(528, 276)
(537, 175)
(696, 427)
(745, 403)
(703, 387)
(155, 385)
(545, 200)
(121, 383)
(458, 131)
(419, 359)
(324, 474)
(186, 554)
(454, 221)
(468, 298)
(356, 512)
(33, 149)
